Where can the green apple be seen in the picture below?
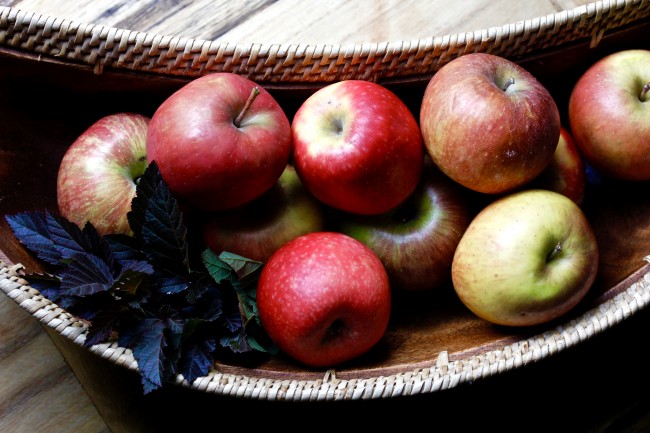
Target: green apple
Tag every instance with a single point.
(526, 258)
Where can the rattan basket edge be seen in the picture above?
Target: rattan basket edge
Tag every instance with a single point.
(444, 373)
(107, 47)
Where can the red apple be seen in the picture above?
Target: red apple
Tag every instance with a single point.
(357, 147)
(219, 141)
(416, 241)
(488, 123)
(324, 299)
(566, 173)
(257, 229)
(97, 175)
(527, 258)
(609, 114)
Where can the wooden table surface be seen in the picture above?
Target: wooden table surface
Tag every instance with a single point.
(291, 21)
(38, 390)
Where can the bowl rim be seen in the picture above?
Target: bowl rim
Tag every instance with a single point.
(101, 47)
(446, 372)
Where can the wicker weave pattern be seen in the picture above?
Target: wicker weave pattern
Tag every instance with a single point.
(445, 374)
(102, 47)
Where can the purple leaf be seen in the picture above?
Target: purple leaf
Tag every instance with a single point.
(86, 274)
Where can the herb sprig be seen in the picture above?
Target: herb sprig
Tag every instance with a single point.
(176, 313)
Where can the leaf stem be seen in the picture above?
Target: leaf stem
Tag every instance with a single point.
(247, 106)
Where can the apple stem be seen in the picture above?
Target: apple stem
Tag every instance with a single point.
(556, 250)
(644, 92)
(247, 106)
(508, 83)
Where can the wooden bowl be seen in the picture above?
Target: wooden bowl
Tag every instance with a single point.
(50, 95)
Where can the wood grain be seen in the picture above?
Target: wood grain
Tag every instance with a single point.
(293, 21)
(43, 107)
(38, 391)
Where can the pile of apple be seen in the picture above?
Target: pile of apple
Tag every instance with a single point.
(354, 198)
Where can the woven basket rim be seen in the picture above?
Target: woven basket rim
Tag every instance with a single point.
(629, 297)
(103, 47)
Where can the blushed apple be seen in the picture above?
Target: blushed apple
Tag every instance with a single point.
(416, 241)
(488, 123)
(357, 147)
(609, 112)
(257, 229)
(97, 176)
(526, 259)
(219, 141)
(324, 298)
(566, 173)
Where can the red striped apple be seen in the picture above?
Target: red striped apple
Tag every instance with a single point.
(416, 241)
(357, 147)
(219, 141)
(566, 173)
(97, 175)
(527, 258)
(324, 299)
(488, 123)
(609, 114)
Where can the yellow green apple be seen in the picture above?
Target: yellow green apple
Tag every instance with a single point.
(526, 258)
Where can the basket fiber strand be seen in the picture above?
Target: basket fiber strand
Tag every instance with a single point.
(107, 47)
(633, 295)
